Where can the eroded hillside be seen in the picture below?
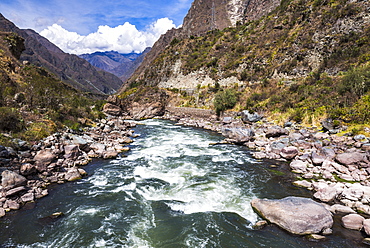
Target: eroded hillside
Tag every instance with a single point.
(34, 102)
(305, 60)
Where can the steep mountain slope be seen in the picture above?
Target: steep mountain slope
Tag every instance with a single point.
(206, 15)
(70, 68)
(286, 62)
(33, 102)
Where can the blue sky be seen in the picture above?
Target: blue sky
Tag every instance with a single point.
(67, 22)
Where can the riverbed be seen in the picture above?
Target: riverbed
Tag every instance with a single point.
(175, 188)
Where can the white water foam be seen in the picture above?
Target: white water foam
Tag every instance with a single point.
(214, 192)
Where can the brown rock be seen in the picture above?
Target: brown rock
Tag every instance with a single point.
(12, 205)
(351, 158)
(72, 175)
(27, 169)
(289, 152)
(15, 191)
(276, 132)
(28, 197)
(44, 157)
(2, 212)
(12, 179)
(112, 109)
(71, 152)
(110, 154)
(353, 221)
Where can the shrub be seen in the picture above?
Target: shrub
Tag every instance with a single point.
(10, 120)
(224, 100)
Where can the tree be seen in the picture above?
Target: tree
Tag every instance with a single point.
(225, 99)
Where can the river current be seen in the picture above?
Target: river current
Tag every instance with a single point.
(173, 189)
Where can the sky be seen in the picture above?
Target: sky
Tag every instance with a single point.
(87, 26)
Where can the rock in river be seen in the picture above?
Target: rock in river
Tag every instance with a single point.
(295, 214)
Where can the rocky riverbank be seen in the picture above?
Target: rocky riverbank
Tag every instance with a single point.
(27, 170)
(336, 168)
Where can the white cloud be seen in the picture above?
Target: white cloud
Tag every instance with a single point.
(123, 38)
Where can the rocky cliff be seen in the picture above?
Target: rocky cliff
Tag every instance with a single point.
(204, 16)
(284, 57)
(70, 68)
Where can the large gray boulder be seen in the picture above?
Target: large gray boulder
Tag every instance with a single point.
(297, 215)
(351, 158)
(238, 135)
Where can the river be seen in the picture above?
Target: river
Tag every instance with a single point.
(173, 189)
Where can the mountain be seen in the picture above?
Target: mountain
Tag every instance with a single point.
(299, 59)
(33, 102)
(121, 65)
(205, 16)
(69, 68)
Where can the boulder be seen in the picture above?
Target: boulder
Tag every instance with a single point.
(44, 157)
(72, 174)
(276, 132)
(238, 135)
(340, 209)
(351, 158)
(317, 159)
(27, 169)
(297, 215)
(12, 179)
(249, 117)
(299, 166)
(4, 153)
(2, 212)
(330, 126)
(353, 221)
(15, 191)
(98, 148)
(112, 109)
(289, 152)
(11, 204)
(366, 224)
(327, 194)
(71, 152)
(29, 197)
(110, 154)
(144, 111)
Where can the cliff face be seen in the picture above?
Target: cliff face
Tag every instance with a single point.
(70, 68)
(204, 16)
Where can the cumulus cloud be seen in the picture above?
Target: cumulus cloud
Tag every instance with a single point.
(124, 38)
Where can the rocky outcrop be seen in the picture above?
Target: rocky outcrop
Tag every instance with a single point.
(295, 214)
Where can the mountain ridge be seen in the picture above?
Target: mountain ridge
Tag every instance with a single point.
(70, 68)
(121, 65)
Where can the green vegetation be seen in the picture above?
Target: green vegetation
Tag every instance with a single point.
(297, 64)
(33, 103)
(225, 99)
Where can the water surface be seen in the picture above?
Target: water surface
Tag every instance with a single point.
(173, 189)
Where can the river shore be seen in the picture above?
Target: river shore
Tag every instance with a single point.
(28, 170)
(336, 168)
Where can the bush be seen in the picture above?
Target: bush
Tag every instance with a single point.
(224, 100)
(10, 120)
